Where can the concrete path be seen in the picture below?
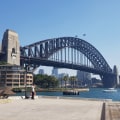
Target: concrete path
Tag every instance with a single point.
(112, 111)
(51, 109)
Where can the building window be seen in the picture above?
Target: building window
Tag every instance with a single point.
(13, 50)
(9, 84)
(22, 80)
(15, 80)
(9, 80)
(16, 84)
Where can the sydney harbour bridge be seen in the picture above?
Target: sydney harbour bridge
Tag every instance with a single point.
(66, 52)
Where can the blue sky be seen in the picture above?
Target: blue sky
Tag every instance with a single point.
(36, 20)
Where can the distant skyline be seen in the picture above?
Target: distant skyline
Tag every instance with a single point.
(96, 21)
(48, 70)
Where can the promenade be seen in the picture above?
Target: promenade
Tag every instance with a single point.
(50, 109)
(112, 111)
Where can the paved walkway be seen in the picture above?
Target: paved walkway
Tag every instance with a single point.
(112, 111)
(51, 109)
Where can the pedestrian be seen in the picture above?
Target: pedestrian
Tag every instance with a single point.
(33, 91)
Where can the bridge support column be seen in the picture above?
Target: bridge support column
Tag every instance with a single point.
(109, 81)
(11, 47)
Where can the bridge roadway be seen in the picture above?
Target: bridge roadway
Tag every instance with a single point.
(61, 64)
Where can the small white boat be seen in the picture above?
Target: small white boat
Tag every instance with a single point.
(110, 90)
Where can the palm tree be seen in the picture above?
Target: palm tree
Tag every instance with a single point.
(65, 78)
(60, 79)
(73, 81)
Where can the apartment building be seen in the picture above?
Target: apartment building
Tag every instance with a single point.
(15, 76)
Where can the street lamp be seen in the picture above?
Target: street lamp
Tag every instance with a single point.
(26, 82)
(27, 68)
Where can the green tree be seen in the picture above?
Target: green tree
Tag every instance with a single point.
(45, 81)
(53, 81)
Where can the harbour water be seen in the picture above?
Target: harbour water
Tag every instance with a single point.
(95, 93)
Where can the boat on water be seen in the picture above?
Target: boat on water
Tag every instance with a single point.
(110, 90)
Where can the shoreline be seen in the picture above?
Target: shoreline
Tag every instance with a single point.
(61, 89)
(62, 97)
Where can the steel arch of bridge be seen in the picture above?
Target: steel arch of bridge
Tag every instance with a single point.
(42, 50)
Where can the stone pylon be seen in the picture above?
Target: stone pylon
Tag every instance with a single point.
(115, 70)
(11, 47)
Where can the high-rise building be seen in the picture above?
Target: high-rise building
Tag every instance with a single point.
(83, 77)
(0, 47)
(41, 71)
(61, 80)
(55, 72)
(62, 75)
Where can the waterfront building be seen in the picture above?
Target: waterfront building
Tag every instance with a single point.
(95, 82)
(15, 76)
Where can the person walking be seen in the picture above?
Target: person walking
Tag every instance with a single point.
(33, 91)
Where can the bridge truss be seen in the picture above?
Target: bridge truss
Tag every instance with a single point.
(68, 52)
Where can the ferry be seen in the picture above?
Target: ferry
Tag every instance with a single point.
(110, 90)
